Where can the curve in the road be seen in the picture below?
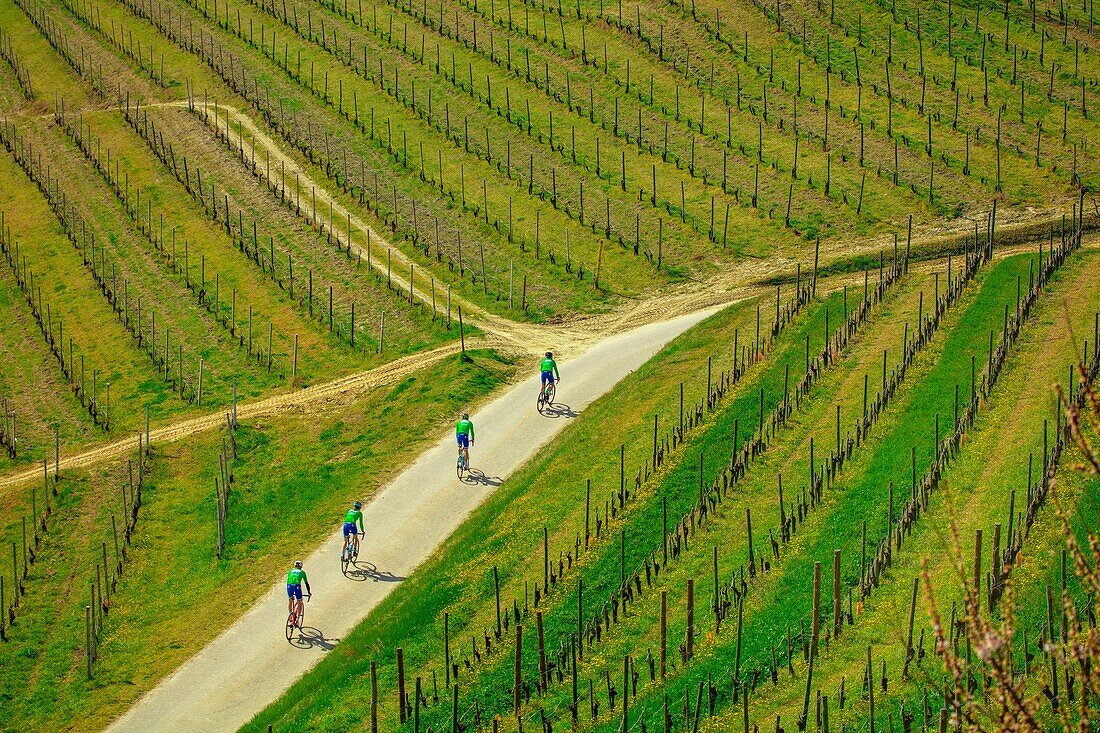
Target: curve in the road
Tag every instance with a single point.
(250, 665)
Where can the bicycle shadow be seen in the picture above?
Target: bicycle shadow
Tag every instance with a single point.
(559, 410)
(310, 637)
(365, 571)
(478, 477)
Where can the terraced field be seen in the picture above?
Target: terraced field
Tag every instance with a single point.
(256, 257)
(750, 627)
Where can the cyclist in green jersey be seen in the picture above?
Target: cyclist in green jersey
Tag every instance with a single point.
(549, 369)
(464, 433)
(294, 580)
(354, 515)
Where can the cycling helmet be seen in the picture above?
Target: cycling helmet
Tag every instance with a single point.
(549, 355)
(297, 563)
(358, 505)
(465, 416)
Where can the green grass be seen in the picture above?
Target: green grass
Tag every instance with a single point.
(267, 286)
(548, 491)
(957, 193)
(775, 604)
(193, 242)
(31, 384)
(47, 69)
(975, 496)
(321, 455)
(134, 268)
(675, 66)
(409, 327)
(75, 299)
(695, 71)
(156, 280)
(458, 579)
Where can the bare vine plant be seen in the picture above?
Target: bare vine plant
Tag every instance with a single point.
(985, 687)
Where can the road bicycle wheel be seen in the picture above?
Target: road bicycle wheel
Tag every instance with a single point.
(461, 465)
(540, 404)
(345, 559)
(301, 618)
(290, 621)
(550, 393)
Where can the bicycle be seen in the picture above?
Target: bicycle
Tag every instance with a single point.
(546, 396)
(295, 618)
(349, 554)
(463, 464)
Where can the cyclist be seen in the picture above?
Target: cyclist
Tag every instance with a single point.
(294, 580)
(549, 368)
(354, 515)
(464, 433)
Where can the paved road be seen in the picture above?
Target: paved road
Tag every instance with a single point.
(251, 664)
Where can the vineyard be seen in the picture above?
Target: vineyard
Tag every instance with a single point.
(256, 257)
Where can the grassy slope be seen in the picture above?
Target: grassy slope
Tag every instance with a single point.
(408, 328)
(467, 594)
(207, 241)
(683, 33)
(636, 634)
(687, 466)
(550, 491)
(499, 252)
(575, 133)
(771, 603)
(150, 275)
(149, 280)
(47, 69)
(31, 383)
(992, 464)
(322, 458)
(73, 296)
(778, 601)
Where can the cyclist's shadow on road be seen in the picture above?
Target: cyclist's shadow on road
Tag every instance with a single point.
(559, 410)
(364, 571)
(310, 637)
(478, 477)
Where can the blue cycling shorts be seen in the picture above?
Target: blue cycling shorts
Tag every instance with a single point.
(547, 378)
(294, 591)
(349, 528)
(463, 440)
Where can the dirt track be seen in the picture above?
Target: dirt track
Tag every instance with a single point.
(356, 383)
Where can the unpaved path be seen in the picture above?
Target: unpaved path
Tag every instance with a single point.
(354, 383)
(505, 329)
(251, 664)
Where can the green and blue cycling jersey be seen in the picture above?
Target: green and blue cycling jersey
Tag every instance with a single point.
(549, 369)
(294, 580)
(464, 432)
(350, 519)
